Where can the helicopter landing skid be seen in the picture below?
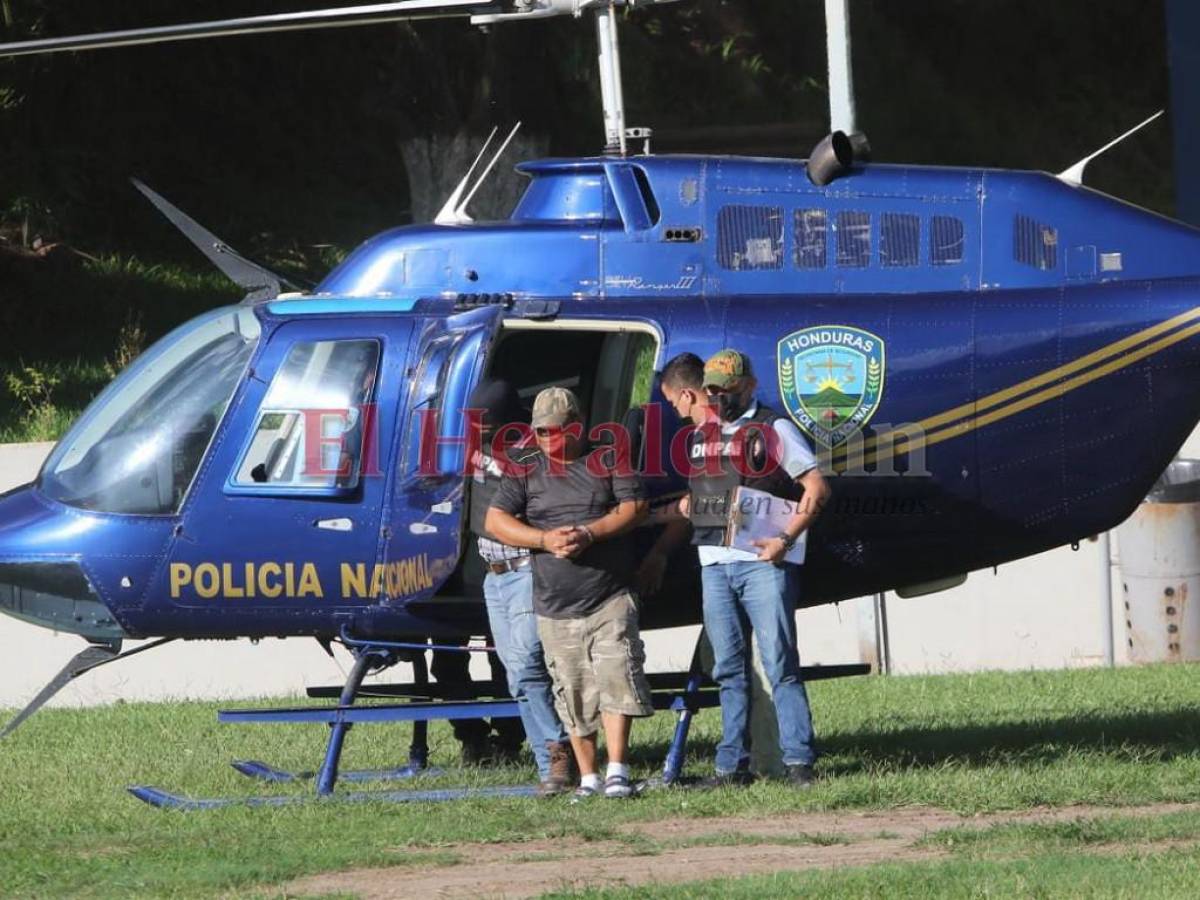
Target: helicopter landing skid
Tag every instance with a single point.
(166, 800)
(340, 719)
(682, 693)
(263, 772)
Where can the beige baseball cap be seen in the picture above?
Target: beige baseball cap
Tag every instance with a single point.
(555, 407)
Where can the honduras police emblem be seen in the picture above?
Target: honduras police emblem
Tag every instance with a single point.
(831, 380)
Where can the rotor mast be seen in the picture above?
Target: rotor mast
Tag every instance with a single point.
(480, 12)
(612, 88)
(612, 91)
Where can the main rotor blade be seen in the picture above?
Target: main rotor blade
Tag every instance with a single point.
(299, 21)
(241, 271)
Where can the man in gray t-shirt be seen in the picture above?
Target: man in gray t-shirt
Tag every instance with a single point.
(569, 587)
(576, 517)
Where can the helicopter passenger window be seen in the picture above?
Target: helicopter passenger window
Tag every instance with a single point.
(750, 237)
(810, 227)
(310, 429)
(1035, 244)
(945, 240)
(853, 239)
(899, 239)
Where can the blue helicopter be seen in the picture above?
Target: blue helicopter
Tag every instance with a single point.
(992, 363)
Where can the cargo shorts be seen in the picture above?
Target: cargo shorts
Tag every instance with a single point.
(596, 665)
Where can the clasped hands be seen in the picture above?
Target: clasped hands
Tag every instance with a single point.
(568, 541)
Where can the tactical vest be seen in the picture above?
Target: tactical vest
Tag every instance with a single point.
(485, 484)
(712, 493)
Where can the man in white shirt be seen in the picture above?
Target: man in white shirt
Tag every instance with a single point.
(741, 442)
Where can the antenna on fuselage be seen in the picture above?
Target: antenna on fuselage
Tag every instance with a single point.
(447, 216)
(455, 210)
(1074, 174)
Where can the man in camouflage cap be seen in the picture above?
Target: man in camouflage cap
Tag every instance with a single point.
(743, 442)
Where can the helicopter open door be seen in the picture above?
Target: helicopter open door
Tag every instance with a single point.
(608, 363)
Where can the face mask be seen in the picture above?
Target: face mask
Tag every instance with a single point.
(731, 406)
(555, 445)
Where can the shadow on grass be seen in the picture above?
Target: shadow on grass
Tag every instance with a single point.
(1144, 737)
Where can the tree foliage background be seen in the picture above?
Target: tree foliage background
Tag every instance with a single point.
(294, 147)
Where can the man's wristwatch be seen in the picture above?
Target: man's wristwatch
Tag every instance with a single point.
(789, 541)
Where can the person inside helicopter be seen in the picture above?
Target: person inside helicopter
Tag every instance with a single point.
(508, 591)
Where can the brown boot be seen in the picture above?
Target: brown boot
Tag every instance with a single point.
(562, 765)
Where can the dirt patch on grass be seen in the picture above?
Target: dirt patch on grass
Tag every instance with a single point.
(659, 851)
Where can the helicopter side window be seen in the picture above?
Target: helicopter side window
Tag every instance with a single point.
(311, 428)
(945, 240)
(1035, 244)
(899, 239)
(750, 237)
(425, 398)
(853, 239)
(811, 245)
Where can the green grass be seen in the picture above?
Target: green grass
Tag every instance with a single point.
(1077, 834)
(66, 322)
(972, 743)
(1170, 874)
(77, 382)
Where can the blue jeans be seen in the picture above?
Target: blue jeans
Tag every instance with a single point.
(509, 598)
(740, 596)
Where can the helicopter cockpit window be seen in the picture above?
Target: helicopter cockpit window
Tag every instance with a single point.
(750, 237)
(945, 240)
(853, 239)
(1035, 244)
(139, 445)
(311, 428)
(899, 239)
(810, 239)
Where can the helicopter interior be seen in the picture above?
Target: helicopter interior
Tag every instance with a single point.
(608, 365)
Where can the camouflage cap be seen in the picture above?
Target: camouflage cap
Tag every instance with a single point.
(726, 368)
(555, 407)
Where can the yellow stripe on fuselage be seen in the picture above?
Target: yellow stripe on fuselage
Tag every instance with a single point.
(928, 431)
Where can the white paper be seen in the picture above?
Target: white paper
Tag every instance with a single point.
(757, 516)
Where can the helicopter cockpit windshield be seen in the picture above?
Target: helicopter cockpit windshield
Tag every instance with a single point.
(140, 443)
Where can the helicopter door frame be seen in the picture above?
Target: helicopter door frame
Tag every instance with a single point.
(424, 521)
